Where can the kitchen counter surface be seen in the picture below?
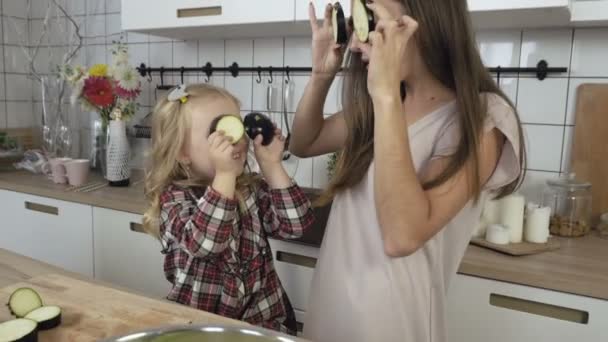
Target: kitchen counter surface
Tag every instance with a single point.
(92, 309)
(579, 267)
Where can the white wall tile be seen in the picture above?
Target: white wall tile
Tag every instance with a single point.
(572, 92)
(2, 90)
(300, 83)
(567, 153)
(554, 46)
(500, 47)
(15, 31)
(268, 52)
(534, 185)
(240, 51)
(299, 170)
(3, 118)
(333, 102)
(590, 52)
(211, 51)
(95, 54)
(15, 8)
(509, 86)
(38, 9)
(112, 6)
(542, 101)
(161, 55)
(96, 6)
(15, 60)
(298, 51)
(21, 114)
(240, 87)
(36, 33)
(113, 28)
(544, 147)
(320, 177)
(95, 29)
(19, 88)
(76, 7)
(185, 54)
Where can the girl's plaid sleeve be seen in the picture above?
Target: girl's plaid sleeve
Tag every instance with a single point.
(286, 213)
(201, 227)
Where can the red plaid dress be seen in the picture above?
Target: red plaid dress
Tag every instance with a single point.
(217, 256)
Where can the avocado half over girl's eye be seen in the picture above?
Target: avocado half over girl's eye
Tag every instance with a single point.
(231, 125)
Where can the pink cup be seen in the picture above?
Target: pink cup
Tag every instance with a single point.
(58, 170)
(77, 171)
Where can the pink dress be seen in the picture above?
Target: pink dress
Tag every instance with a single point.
(360, 294)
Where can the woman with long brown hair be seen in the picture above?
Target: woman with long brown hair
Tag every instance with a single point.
(425, 137)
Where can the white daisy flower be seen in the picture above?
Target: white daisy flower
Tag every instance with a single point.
(127, 77)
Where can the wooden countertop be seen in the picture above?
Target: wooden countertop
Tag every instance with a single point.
(130, 199)
(93, 310)
(579, 267)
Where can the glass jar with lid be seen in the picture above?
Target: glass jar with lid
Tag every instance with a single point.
(570, 203)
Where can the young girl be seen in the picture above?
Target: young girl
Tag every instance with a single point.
(213, 219)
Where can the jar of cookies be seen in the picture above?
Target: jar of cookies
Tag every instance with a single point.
(570, 203)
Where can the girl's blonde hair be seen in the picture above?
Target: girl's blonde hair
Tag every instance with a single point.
(170, 127)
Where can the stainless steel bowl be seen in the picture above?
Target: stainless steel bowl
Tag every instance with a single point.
(201, 333)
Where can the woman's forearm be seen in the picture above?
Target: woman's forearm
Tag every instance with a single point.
(309, 119)
(401, 202)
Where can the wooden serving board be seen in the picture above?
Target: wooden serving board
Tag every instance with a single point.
(589, 157)
(518, 249)
(92, 312)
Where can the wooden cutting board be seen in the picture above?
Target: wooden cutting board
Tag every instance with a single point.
(589, 158)
(518, 249)
(92, 312)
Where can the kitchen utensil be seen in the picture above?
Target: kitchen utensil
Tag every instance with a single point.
(287, 99)
(77, 171)
(518, 249)
(590, 143)
(92, 312)
(195, 333)
(570, 203)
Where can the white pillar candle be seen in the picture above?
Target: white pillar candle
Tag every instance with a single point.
(497, 234)
(537, 225)
(512, 216)
(489, 215)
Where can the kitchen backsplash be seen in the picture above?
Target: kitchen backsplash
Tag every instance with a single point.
(546, 107)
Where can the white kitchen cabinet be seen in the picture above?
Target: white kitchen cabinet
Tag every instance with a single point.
(295, 265)
(589, 12)
(302, 8)
(186, 19)
(126, 256)
(481, 310)
(56, 232)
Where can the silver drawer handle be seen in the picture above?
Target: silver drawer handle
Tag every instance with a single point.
(199, 12)
(137, 227)
(46, 209)
(296, 259)
(540, 309)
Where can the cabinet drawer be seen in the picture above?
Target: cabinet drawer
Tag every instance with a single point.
(53, 231)
(161, 14)
(295, 266)
(504, 312)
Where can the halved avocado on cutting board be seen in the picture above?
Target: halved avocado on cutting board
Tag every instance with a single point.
(22, 301)
(19, 330)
